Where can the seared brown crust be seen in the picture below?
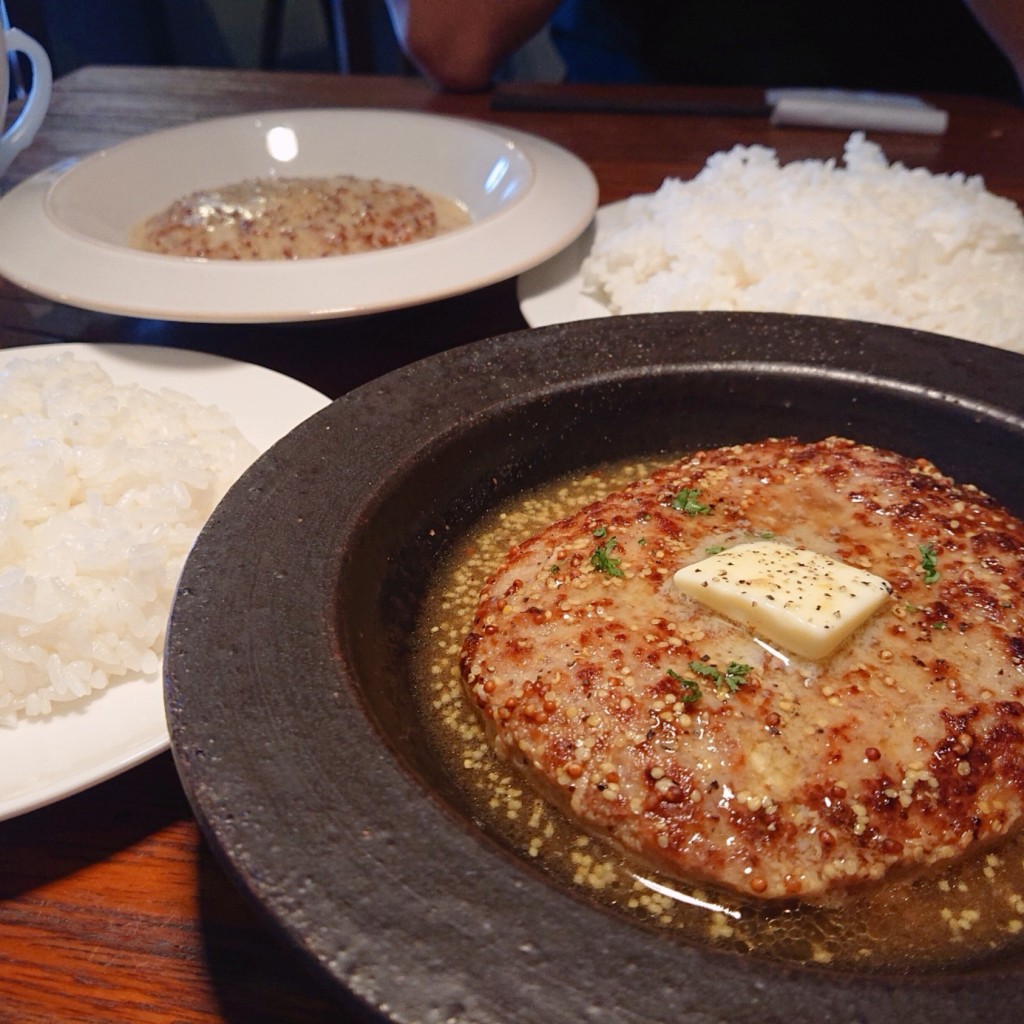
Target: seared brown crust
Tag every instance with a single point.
(904, 748)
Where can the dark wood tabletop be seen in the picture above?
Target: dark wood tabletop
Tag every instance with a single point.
(112, 908)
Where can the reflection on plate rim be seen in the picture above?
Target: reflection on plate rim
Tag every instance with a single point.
(554, 209)
(135, 701)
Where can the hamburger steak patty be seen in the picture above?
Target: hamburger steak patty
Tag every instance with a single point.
(716, 758)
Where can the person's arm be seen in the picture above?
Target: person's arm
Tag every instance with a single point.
(459, 44)
(1003, 20)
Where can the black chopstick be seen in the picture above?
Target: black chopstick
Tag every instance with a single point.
(553, 102)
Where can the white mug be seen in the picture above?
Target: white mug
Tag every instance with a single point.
(25, 126)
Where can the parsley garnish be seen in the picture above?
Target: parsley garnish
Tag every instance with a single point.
(708, 671)
(734, 676)
(686, 501)
(602, 560)
(714, 549)
(600, 531)
(929, 563)
(691, 688)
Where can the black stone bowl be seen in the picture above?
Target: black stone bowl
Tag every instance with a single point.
(287, 667)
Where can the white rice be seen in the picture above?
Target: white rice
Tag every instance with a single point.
(103, 489)
(867, 240)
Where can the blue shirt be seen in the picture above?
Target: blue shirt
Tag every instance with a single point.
(895, 45)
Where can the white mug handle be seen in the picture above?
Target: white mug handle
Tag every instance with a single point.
(24, 129)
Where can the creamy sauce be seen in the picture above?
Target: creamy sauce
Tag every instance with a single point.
(297, 218)
(964, 914)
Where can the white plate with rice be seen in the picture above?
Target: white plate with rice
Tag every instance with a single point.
(857, 238)
(124, 476)
(526, 198)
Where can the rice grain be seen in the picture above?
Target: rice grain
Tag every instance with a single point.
(867, 240)
(103, 489)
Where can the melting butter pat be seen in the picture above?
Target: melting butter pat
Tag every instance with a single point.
(793, 598)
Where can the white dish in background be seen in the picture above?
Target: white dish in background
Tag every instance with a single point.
(80, 744)
(65, 229)
(552, 292)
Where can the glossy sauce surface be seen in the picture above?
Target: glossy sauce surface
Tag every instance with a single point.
(297, 218)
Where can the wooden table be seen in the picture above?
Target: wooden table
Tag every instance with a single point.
(111, 906)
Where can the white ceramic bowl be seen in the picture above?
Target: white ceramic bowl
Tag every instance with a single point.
(70, 225)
